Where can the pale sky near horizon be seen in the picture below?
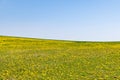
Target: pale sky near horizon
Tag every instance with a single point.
(84, 20)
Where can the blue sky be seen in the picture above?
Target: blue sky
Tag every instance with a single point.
(84, 20)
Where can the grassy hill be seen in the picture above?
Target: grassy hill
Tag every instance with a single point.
(39, 59)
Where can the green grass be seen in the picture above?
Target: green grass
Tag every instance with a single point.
(39, 59)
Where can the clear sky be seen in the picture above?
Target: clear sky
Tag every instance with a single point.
(84, 20)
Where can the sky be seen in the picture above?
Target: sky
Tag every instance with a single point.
(81, 20)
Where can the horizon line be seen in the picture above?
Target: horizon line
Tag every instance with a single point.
(60, 39)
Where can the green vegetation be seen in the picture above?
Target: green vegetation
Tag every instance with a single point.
(38, 59)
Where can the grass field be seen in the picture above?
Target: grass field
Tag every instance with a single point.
(39, 59)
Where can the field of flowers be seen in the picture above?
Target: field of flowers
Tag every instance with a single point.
(39, 59)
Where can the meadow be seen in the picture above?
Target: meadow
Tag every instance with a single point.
(39, 59)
